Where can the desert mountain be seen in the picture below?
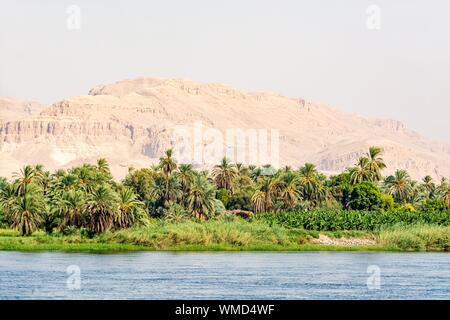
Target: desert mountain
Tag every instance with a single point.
(14, 109)
(131, 123)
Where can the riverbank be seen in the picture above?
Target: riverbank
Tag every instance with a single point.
(236, 235)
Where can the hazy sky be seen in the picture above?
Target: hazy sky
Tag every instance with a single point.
(321, 50)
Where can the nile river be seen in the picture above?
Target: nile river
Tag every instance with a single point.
(225, 275)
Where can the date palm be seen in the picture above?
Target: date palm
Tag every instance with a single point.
(8, 193)
(264, 198)
(361, 172)
(167, 165)
(308, 180)
(185, 175)
(101, 207)
(375, 164)
(65, 182)
(103, 166)
(26, 176)
(26, 209)
(289, 191)
(259, 201)
(85, 175)
(429, 186)
(164, 191)
(224, 174)
(130, 209)
(69, 206)
(201, 198)
(399, 186)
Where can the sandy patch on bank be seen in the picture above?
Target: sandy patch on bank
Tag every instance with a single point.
(349, 242)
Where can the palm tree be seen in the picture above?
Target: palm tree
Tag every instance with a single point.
(101, 207)
(26, 209)
(201, 198)
(69, 205)
(308, 180)
(321, 195)
(167, 165)
(259, 201)
(65, 182)
(8, 193)
(26, 176)
(85, 175)
(224, 174)
(399, 186)
(185, 175)
(164, 191)
(289, 191)
(130, 209)
(416, 195)
(263, 199)
(103, 166)
(429, 186)
(361, 173)
(375, 163)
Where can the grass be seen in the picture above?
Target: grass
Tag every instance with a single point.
(417, 237)
(235, 235)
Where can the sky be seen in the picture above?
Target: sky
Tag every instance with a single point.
(384, 59)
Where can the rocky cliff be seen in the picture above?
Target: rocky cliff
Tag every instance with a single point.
(132, 122)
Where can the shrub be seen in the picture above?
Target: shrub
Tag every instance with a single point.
(365, 196)
(407, 207)
(387, 202)
(434, 205)
(332, 220)
(222, 195)
(176, 213)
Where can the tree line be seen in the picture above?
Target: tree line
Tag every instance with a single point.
(87, 197)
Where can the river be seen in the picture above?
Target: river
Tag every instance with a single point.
(225, 275)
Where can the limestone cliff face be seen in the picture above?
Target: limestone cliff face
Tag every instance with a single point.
(131, 123)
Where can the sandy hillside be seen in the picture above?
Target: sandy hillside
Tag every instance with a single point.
(132, 122)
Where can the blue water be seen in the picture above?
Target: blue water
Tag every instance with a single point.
(225, 275)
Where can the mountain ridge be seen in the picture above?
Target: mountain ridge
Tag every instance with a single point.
(130, 122)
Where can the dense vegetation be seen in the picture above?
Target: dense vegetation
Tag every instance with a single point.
(86, 201)
(332, 220)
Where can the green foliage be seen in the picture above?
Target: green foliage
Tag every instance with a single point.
(417, 237)
(141, 181)
(365, 196)
(407, 207)
(240, 200)
(222, 195)
(176, 213)
(434, 205)
(237, 233)
(331, 220)
(387, 202)
(86, 198)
